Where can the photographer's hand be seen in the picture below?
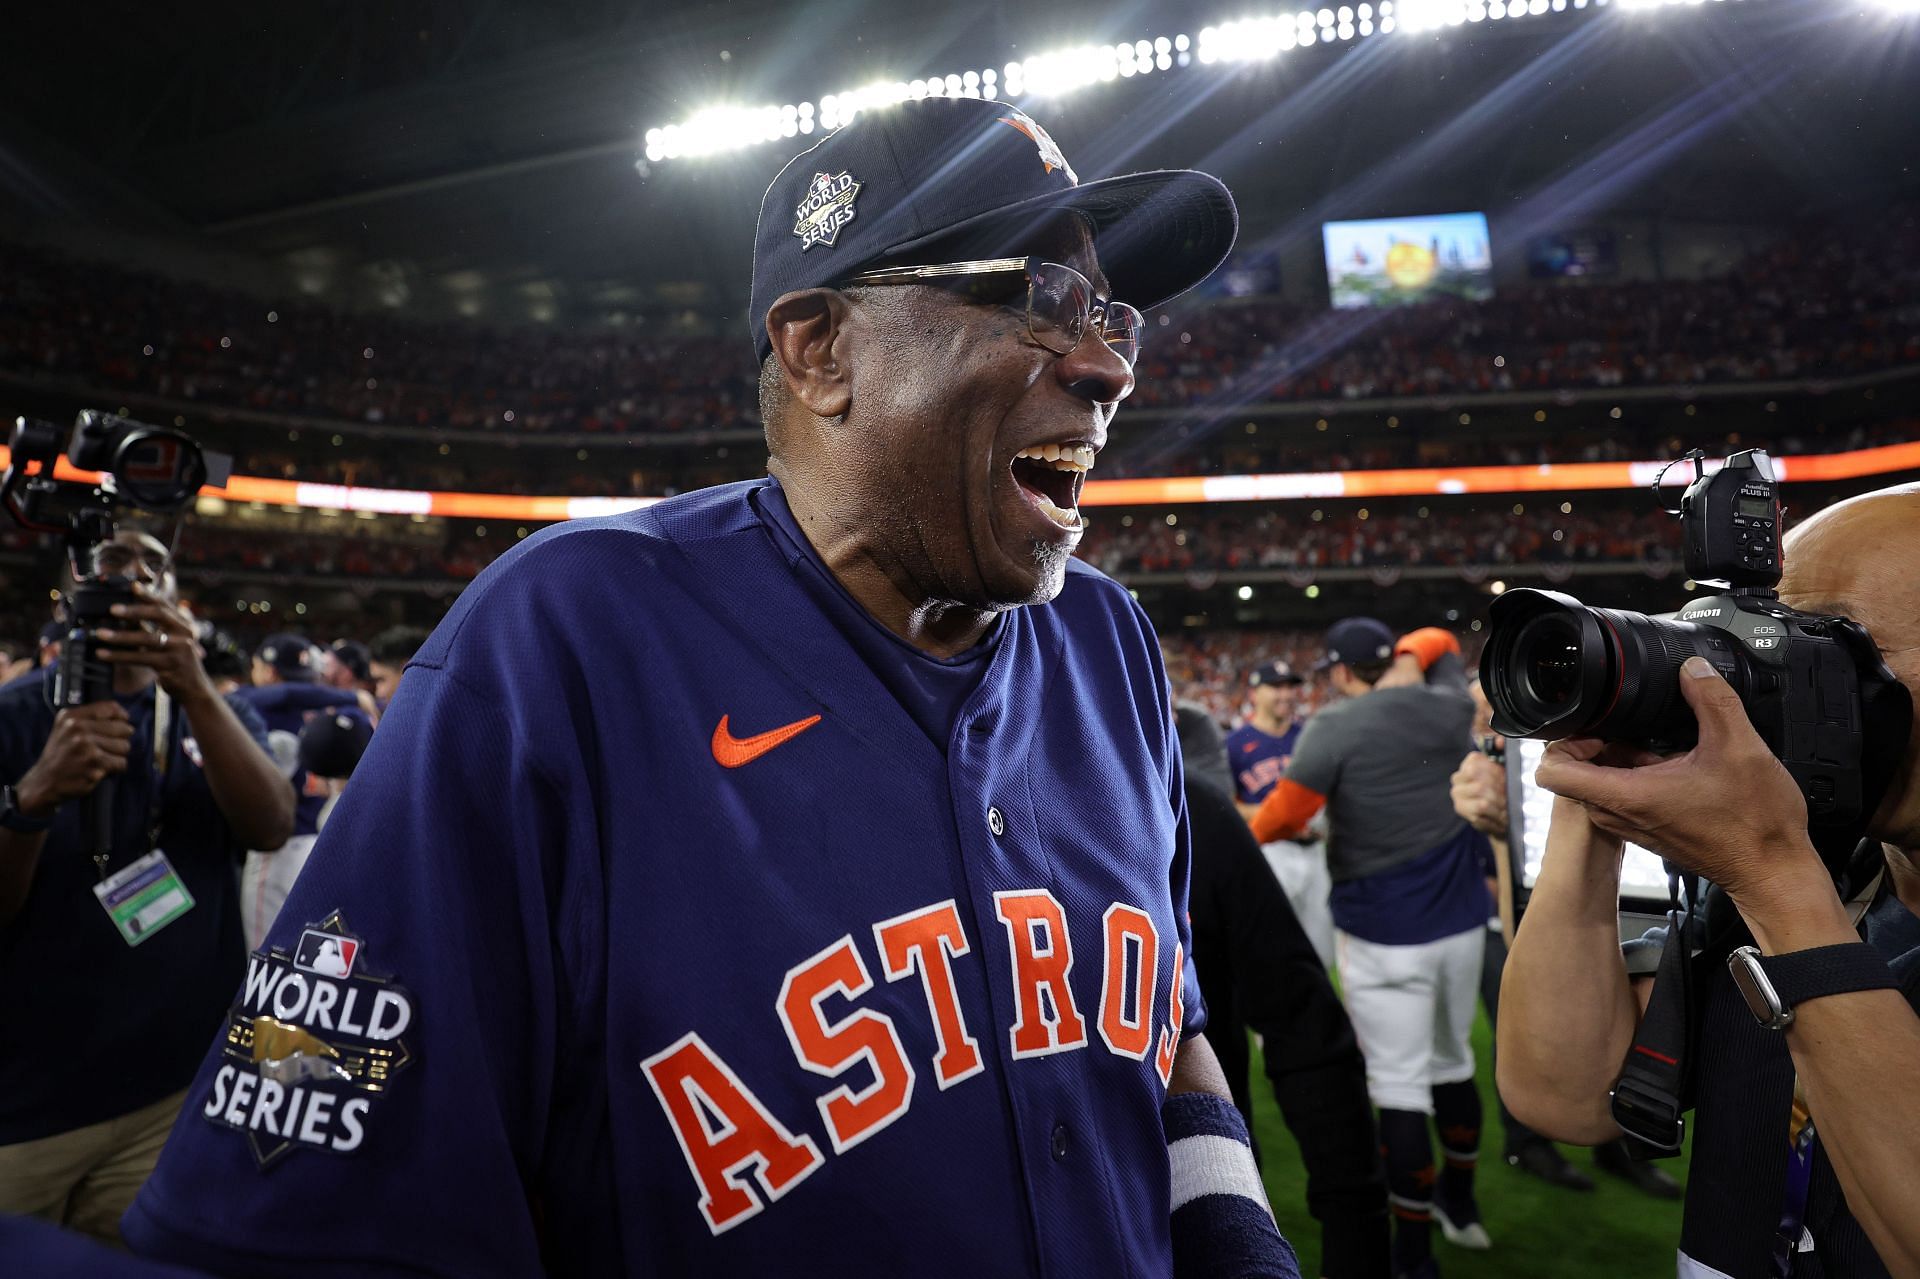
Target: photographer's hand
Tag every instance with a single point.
(166, 644)
(1726, 810)
(1479, 789)
(1729, 811)
(87, 744)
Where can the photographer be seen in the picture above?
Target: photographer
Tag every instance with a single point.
(1768, 1193)
(103, 1018)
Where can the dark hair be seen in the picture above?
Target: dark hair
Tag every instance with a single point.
(224, 657)
(1368, 672)
(396, 645)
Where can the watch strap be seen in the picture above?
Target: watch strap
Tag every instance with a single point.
(12, 818)
(1800, 975)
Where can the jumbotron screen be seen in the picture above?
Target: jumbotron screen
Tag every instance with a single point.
(1392, 261)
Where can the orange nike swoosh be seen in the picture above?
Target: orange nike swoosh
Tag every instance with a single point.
(733, 751)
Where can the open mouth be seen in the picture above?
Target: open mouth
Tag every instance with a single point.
(1050, 476)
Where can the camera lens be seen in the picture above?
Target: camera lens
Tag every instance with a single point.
(1548, 665)
(1548, 651)
(1554, 668)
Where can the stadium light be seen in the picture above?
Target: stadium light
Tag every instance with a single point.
(1259, 38)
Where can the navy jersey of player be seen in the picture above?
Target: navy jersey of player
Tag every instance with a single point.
(285, 708)
(1259, 759)
(657, 936)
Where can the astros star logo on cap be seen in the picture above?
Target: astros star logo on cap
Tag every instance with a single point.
(1050, 155)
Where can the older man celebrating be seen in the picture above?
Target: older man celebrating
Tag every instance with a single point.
(730, 889)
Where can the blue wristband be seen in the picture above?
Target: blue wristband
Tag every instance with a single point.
(1222, 1226)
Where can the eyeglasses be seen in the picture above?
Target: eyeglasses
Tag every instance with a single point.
(1060, 301)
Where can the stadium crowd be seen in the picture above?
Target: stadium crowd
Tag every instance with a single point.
(1288, 537)
(1821, 302)
(1814, 304)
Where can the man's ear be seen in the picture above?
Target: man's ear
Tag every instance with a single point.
(809, 332)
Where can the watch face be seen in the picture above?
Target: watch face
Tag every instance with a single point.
(1751, 980)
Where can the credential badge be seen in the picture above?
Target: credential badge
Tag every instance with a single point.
(827, 206)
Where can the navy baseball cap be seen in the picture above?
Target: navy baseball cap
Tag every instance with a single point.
(355, 656)
(903, 183)
(1273, 673)
(291, 655)
(1357, 640)
(332, 742)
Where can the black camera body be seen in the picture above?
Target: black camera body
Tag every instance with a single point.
(1814, 686)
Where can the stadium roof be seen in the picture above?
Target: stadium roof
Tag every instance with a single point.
(499, 140)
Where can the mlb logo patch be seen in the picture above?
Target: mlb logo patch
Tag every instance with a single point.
(326, 954)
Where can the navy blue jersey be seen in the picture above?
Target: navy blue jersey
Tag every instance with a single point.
(285, 708)
(655, 936)
(1259, 759)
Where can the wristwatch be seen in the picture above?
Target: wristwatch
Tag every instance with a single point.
(1774, 985)
(12, 818)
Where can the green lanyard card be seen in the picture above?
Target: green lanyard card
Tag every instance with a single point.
(143, 898)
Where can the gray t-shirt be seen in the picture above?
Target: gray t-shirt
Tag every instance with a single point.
(1385, 761)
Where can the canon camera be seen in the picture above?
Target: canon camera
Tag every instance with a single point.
(1814, 686)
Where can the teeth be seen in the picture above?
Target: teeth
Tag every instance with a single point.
(1077, 458)
(1066, 519)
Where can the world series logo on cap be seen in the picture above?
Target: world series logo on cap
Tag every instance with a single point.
(827, 206)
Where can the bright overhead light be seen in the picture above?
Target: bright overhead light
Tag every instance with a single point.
(722, 128)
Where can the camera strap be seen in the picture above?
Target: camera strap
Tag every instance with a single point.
(163, 726)
(1648, 1100)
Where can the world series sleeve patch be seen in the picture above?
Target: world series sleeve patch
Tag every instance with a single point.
(313, 1043)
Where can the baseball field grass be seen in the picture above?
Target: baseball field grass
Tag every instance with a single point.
(1539, 1231)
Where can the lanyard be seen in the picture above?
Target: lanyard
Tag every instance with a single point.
(1793, 1210)
(1793, 1206)
(157, 787)
(162, 757)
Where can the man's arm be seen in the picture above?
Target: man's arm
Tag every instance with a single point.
(1567, 1013)
(252, 795)
(1479, 790)
(1285, 812)
(460, 920)
(87, 744)
(1197, 1069)
(1429, 655)
(254, 798)
(1847, 1049)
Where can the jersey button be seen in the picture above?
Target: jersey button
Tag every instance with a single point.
(996, 823)
(1059, 1142)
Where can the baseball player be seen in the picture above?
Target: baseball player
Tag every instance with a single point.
(1258, 752)
(729, 890)
(1410, 901)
